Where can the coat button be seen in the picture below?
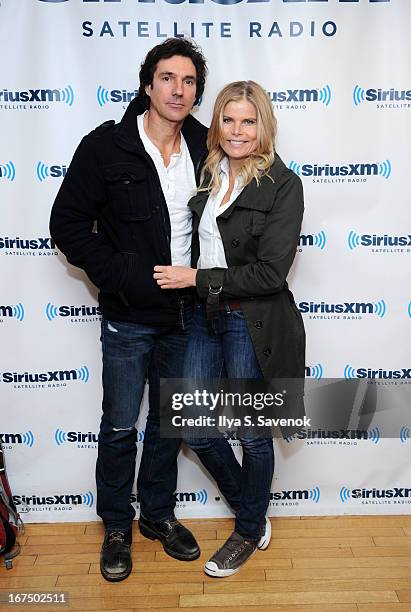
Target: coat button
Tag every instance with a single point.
(267, 352)
(258, 324)
(235, 242)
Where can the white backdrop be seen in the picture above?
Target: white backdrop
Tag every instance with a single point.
(338, 74)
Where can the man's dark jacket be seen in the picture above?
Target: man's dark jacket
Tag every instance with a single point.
(110, 218)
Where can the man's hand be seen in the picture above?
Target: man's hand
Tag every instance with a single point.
(175, 277)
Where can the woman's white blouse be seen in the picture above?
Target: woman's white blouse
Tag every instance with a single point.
(212, 253)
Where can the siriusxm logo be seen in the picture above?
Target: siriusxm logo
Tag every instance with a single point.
(395, 493)
(43, 171)
(355, 240)
(361, 95)
(28, 247)
(377, 308)
(26, 438)
(81, 374)
(405, 434)
(15, 311)
(115, 95)
(77, 313)
(61, 437)
(374, 435)
(350, 372)
(67, 499)
(8, 171)
(322, 95)
(313, 495)
(199, 497)
(314, 371)
(81, 437)
(318, 240)
(348, 170)
(62, 94)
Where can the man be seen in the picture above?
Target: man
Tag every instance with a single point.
(121, 210)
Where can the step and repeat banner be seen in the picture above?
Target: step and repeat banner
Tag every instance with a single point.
(339, 77)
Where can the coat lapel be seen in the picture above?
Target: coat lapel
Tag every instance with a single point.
(256, 197)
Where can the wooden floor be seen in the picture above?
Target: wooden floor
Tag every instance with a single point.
(335, 564)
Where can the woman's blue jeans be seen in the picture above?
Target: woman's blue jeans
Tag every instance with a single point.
(223, 349)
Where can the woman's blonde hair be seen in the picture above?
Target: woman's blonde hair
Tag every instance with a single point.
(261, 159)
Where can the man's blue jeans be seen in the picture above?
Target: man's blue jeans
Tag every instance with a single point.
(223, 349)
(131, 352)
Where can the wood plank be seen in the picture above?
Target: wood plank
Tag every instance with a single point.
(277, 586)
(353, 562)
(46, 570)
(388, 607)
(381, 551)
(54, 528)
(342, 573)
(63, 559)
(294, 597)
(71, 549)
(55, 540)
(404, 596)
(402, 541)
(28, 582)
(329, 531)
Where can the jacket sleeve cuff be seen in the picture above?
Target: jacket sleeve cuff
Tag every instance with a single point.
(202, 283)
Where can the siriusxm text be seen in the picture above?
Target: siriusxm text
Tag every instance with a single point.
(359, 169)
(380, 373)
(32, 95)
(31, 244)
(346, 307)
(384, 240)
(27, 377)
(34, 500)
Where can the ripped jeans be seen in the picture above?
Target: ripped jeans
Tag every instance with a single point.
(131, 352)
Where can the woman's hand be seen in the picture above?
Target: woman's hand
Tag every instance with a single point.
(175, 277)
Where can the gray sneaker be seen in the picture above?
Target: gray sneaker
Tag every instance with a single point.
(230, 557)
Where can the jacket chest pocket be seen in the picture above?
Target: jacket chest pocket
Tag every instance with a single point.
(128, 193)
(254, 221)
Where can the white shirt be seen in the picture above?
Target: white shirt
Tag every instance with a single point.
(179, 185)
(212, 253)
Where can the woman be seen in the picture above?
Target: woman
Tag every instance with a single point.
(247, 220)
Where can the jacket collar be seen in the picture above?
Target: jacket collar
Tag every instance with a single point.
(127, 136)
(254, 197)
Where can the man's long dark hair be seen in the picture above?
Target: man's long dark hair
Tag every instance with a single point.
(170, 47)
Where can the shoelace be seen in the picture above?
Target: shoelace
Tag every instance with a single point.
(234, 547)
(116, 536)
